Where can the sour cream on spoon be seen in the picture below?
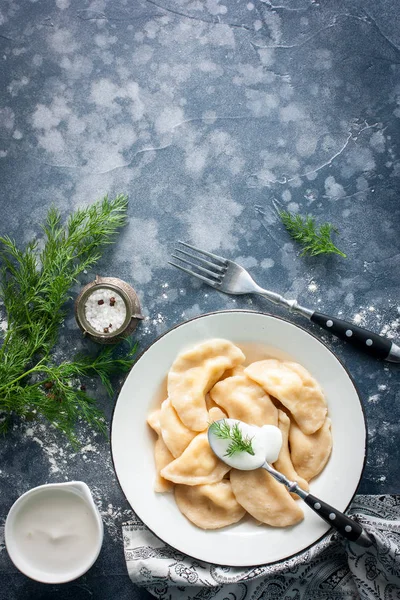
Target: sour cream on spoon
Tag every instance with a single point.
(247, 447)
(266, 443)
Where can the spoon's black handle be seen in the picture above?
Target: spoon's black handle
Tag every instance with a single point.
(349, 529)
(364, 340)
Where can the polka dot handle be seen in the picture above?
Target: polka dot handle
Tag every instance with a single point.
(362, 339)
(348, 528)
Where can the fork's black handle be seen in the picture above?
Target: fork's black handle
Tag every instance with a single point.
(362, 339)
(348, 528)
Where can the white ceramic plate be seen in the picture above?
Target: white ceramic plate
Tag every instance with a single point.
(245, 543)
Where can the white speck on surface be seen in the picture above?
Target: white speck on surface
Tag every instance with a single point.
(291, 112)
(192, 311)
(112, 516)
(382, 387)
(89, 448)
(306, 144)
(215, 8)
(391, 330)
(312, 287)
(211, 224)
(359, 319)
(62, 42)
(139, 242)
(169, 118)
(247, 261)
(374, 398)
(267, 263)
(359, 159)
(333, 190)
(293, 207)
(349, 299)
(377, 141)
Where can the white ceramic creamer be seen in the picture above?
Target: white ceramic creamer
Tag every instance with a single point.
(54, 532)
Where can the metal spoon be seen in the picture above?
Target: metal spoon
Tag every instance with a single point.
(348, 528)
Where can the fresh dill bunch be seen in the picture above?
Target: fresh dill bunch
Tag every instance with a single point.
(239, 442)
(314, 239)
(34, 287)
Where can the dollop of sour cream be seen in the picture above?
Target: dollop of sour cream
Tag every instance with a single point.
(266, 442)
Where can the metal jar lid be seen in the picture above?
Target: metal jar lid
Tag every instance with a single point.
(130, 299)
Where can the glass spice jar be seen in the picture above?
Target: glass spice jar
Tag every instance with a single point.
(107, 310)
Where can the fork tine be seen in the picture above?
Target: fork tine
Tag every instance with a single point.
(210, 282)
(209, 254)
(201, 269)
(202, 261)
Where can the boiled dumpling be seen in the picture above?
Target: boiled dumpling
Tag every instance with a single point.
(197, 465)
(210, 402)
(193, 374)
(162, 456)
(154, 421)
(310, 453)
(175, 434)
(245, 400)
(284, 463)
(209, 506)
(264, 498)
(292, 385)
(232, 372)
(215, 414)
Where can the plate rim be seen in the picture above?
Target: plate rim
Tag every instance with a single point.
(267, 314)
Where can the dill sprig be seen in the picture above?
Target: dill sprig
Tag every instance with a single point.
(34, 289)
(314, 239)
(239, 443)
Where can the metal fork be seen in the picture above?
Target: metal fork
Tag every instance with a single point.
(230, 278)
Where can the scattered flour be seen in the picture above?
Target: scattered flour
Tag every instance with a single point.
(247, 261)
(312, 287)
(112, 517)
(374, 399)
(193, 311)
(267, 263)
(60, 457)
(391, 330)
(158, 319)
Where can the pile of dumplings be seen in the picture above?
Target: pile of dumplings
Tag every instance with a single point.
(208, 383)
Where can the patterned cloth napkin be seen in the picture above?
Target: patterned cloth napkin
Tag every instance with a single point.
(331, 570)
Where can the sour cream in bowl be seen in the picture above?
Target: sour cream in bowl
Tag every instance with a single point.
(54, 532)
